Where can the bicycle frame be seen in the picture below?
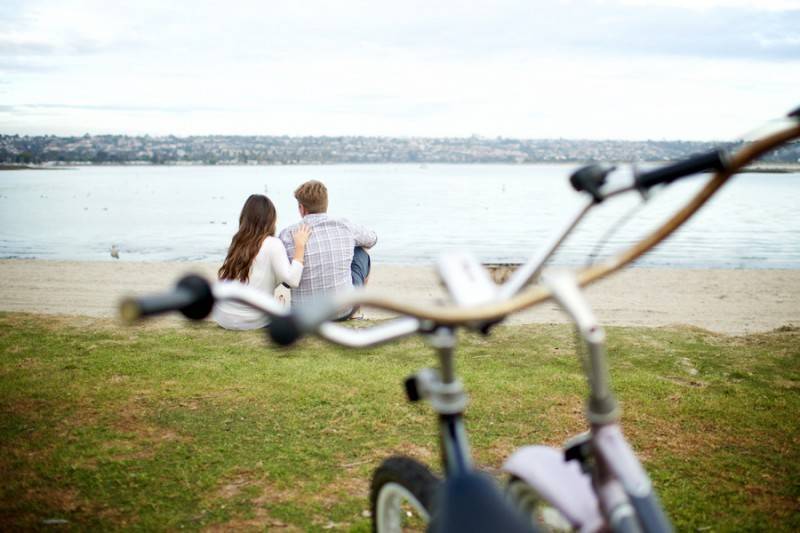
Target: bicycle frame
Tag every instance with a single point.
(621, 494)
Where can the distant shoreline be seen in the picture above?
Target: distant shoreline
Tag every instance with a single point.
(767, 168)
(4, 166)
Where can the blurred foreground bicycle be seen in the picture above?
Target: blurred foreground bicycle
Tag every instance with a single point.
(594, 484)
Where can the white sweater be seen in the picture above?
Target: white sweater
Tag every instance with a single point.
(269, 268)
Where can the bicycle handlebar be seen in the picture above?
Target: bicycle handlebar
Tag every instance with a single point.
(717, 160)
(192, 297)
(195, 297)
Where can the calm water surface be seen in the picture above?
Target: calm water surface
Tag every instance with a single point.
(499, 213)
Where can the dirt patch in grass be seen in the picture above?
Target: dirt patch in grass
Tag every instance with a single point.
(132, 418)
(57, 323)
(59, 500)
(260, 521)
(51, 506)
(233, 488)
(32, 409)
(658, 435)
(251, 497)
(787, 383)
(347, 484)
(15, 349)
(684, 382)
(116, 379)
(420, 453)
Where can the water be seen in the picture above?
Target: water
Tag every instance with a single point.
(500, 213)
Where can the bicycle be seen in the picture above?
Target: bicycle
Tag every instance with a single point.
(617, 490)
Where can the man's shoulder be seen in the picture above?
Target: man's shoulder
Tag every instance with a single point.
(328, 221)
(287, 231)
(339, 221)
(343, 222)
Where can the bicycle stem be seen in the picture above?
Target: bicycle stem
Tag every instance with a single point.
(447, 397)
(444, 342)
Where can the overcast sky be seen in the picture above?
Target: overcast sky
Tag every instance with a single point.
(621, 69)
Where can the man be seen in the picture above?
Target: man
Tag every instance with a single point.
(335, 257)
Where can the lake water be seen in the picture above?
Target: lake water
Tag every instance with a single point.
(500, 213)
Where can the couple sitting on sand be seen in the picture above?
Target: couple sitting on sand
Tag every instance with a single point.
(318, 255)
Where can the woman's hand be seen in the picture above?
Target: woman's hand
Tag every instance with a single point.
(301, 235)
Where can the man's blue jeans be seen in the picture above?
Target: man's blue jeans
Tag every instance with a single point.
(359, 268)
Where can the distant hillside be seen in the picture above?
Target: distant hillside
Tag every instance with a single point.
(227, 150)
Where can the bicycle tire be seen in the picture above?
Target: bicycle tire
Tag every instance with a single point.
(400, 487)
(544, 516)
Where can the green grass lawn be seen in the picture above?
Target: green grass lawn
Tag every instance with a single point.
(168, 427)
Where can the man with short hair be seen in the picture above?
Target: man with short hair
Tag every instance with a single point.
(335, 257)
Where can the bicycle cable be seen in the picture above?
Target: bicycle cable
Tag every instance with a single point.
(610, 232)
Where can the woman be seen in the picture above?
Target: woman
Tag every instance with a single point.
(258, 259)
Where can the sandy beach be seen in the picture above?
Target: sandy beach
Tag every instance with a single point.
(723, 301)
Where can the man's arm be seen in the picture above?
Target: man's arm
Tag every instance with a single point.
(366, 238)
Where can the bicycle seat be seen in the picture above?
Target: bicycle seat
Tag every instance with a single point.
(471, 503)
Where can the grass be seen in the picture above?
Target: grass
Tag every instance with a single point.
(172, 427)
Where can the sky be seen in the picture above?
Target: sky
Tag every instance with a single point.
(612, 69)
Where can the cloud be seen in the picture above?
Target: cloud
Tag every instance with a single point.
(9, 47)
(510, 67)
(125, 108)
(268, 30)
(717, 33)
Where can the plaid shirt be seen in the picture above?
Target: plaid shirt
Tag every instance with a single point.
(328, 255)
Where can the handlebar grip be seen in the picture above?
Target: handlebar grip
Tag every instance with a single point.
(192, 296)
(716, 160)
(590, 179)
(286, 330)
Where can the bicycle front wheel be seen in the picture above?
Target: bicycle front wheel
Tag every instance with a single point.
(402, 496)
(544, 516)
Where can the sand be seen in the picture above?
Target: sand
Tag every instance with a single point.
(724, 301)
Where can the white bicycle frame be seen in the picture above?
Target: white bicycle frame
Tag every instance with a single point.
(605, 486)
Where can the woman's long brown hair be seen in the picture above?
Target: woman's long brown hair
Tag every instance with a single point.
(256, 223)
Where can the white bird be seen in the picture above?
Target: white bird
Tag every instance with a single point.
(114, 251)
